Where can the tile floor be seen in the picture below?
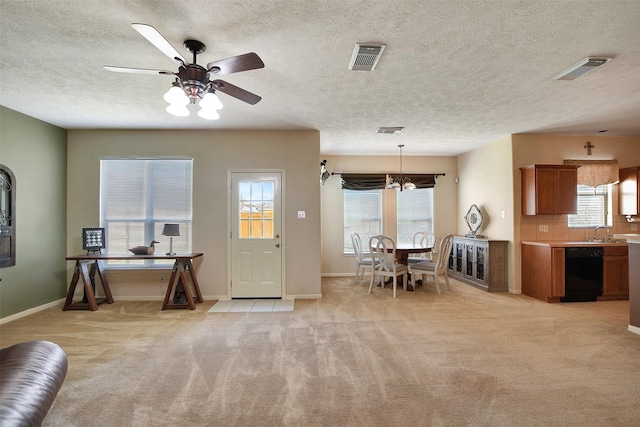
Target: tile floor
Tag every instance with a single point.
(253, 305)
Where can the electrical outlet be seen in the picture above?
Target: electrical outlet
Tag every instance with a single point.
(540, 228)
(546, 228)
(301, 214)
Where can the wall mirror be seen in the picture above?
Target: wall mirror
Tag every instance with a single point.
(7, 217)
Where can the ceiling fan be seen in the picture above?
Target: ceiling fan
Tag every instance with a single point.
(193, 83)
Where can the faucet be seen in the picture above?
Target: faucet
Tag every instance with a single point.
(595, 232)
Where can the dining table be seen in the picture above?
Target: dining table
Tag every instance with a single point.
(402, 257)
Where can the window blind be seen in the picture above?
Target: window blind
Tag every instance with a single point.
(138, 196)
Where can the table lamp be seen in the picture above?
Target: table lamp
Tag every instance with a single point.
(171, 230)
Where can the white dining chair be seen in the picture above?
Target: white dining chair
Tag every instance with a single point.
(422, 239)
(363, 261)
(383, 251)
(436, 268)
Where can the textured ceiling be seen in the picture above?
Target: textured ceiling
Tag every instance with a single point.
(456, 74)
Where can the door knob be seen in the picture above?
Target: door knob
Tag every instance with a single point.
(277, 236)
(277, 245)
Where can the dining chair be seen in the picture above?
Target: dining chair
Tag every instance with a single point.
(362, 261)
(383, 251)
(422, 239)
(438, 267)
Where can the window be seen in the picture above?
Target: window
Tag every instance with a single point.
(594, 207)
(414, 213)
(363, 215)
(138, 196)
(256, 210)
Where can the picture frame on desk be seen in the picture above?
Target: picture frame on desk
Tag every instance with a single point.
(93, 239)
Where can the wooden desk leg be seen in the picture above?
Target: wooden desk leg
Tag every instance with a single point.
(178, 276)
(105, 283)
(88, 289)
(167, 295)
(187, 288)
(196, 286)
(72, 286)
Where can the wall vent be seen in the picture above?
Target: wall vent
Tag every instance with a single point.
(365, 57)
(390, 130)
(581, 68)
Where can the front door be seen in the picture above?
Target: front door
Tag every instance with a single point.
(256, 235)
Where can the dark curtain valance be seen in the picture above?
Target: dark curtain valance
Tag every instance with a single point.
(363, 182)
(370, 181)
(423, 180)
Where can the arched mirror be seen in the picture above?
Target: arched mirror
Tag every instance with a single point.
(7, 217)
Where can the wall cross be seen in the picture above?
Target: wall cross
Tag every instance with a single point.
(589, 146)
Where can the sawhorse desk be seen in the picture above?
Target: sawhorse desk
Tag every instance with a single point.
(88, 265)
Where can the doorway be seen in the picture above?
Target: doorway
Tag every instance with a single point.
(256, 235)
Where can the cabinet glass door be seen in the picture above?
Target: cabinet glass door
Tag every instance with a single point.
(480, 262)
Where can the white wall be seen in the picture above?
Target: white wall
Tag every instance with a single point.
(214, 153)
(486, 180)
(334, 263)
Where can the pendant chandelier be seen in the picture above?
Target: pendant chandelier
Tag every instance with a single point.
(400, 182)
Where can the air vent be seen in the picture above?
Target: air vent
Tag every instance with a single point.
(366, 56)
(390, 130)
(581, 68)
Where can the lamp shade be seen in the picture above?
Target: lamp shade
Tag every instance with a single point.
(171, 230)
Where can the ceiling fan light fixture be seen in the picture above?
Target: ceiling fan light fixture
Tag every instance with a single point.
(208, 114)
(176, 95)
(178, 110)
(211, 101)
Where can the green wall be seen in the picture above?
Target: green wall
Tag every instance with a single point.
(36, 152)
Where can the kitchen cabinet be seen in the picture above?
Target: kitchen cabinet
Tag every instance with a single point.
(543, 269)
(629, 191)
(549, 189)
(479, 262)
(615, 272)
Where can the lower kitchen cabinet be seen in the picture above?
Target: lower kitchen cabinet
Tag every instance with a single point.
(615, 281)
(479, 262)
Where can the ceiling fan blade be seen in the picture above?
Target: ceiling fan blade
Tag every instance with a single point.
(137, 70)
(151, 34)
(236, 92)
(235, 64)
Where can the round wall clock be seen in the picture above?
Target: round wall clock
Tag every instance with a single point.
(474, 219)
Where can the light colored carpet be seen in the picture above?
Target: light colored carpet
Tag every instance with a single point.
(464, 358)
(252, 306)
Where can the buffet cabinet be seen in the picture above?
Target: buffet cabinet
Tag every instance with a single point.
(479, 262)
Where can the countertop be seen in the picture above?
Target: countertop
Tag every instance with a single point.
(571, 244)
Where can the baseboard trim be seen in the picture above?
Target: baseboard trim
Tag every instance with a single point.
(31, 311)
(634, 329)
(367, 274)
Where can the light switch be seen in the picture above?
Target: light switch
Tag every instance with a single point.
(503, 215)
(301, 214)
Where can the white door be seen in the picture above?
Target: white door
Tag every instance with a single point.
(256, 235)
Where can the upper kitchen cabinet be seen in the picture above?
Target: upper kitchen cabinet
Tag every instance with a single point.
(549, 189)
(629, 191)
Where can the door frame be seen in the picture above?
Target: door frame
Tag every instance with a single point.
(283, 235)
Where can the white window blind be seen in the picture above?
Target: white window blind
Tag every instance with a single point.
(138, 196)
(593, 207)
(414, 213)
(363, 215)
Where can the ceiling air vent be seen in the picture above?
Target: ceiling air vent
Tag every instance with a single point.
(581, 68)
(366, 56)
(390, 130)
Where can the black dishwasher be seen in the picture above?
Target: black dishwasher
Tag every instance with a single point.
(582, 274)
